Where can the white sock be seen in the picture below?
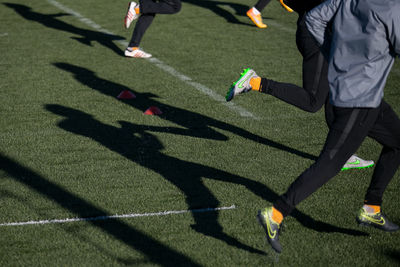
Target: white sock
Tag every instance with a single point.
(255, 11)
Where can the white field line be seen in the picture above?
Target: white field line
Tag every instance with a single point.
(116, 216)
(165, 67)
(3, 34)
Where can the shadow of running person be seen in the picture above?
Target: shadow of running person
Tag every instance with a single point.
(216, 7)
(141, 147)
(200, 126)
(136, 144)
(195, 124)
(50, 20)
(394, 255)
(154, 251)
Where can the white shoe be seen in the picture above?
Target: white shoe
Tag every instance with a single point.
(355, 162)
(138, 53)
(242, 85)
(131, 14)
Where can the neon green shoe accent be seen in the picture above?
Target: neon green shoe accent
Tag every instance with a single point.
(377, 220)
(355, 162)
(356, 167)
(271, 228)
(242, 85)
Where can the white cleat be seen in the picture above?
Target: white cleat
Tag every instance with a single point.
(131, 14)
(137, 53)
(242, 85)
(355, 162)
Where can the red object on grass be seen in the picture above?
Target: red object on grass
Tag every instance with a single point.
(153, 110)
(126, 94)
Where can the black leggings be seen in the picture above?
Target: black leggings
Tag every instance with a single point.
(261, 4)
(349, 128)
(314, 93)
(148, 10)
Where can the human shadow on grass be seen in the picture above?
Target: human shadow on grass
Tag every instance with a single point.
(394, 254)
(194, 124)
(72, 230)
(136, 143)
(215, 6)
(154, 251)
(51, 21)
(197, 125)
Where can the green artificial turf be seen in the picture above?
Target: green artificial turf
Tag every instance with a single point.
(70, 148)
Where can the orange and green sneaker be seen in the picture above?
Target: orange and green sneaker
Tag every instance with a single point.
(242, 85)
(377, 220)
(271, 228)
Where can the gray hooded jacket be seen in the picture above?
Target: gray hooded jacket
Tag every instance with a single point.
(365, 40)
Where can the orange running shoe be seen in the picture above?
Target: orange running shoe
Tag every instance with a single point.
(255, 17)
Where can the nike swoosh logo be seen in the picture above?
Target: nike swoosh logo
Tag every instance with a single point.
(381, 221)
(271, 233)
(240, 85)
(354, 163)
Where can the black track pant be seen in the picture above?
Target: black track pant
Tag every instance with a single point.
(148, 10)
(261, 4)
(314, 93)
(349, 128)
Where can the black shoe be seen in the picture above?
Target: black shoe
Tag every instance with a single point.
(271, 228)
(377, 220)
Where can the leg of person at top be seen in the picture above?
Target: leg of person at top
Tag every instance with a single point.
(145, 11)
(142, 25)
(254, 13)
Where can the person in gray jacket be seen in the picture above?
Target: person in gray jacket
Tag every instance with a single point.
(363, 45)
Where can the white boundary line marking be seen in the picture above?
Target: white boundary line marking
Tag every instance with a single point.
(165, 67)
(116, 216)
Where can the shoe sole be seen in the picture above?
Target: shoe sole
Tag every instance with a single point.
(364, 224)
(363, 167)
(125, 22)
(230, 94)
(126, 17)
(136, 56)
